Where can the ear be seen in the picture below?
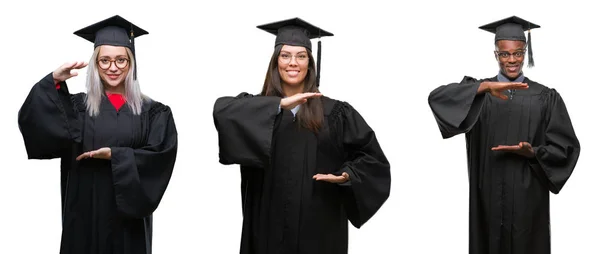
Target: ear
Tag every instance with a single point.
(495, 50)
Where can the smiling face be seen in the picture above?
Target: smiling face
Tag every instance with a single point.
(113, 65)
(293, 65)
(510, 56)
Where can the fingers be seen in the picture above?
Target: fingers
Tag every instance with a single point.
(502, 86)
(102, 153)
(297, 99)
(329, 178)
(506, 148)
(80, 65)
(520, 146)
(306, 96)
(311, 95)
(86, 155)
(498, 90)
(83, 156)
(518, 86)
(68, 65)
(502, 96)
(523, 149)
(318, 177)
(74, 65)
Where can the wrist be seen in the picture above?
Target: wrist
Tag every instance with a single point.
(486, 86)
(483, 87)
(56, 80)
(283, 105)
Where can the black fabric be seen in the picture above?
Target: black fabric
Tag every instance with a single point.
(511, 28)
(115, 31)
(509, 194)
(294, 32)
(107, 204)
(285, 210)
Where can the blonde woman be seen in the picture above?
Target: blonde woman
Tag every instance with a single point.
(117, 147)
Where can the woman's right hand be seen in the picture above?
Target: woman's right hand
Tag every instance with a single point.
(497, 88)
(66, 71)
(291, 102)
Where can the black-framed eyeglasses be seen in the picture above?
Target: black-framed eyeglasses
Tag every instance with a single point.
(105, 63)
(506, 55)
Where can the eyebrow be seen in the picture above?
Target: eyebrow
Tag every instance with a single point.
(118, 56)
(500, 51)
(291, 52)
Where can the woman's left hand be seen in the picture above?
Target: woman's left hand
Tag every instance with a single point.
(332, 178)
(102, 153)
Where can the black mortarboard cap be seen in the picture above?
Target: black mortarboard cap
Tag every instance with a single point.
(115, 31)
(297, 32)
(513, 28)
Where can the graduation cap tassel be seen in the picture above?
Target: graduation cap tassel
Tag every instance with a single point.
(530, 63)
(319, 63)
(133, 52)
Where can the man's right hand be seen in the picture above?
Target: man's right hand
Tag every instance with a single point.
(497, 88)
(66, 71)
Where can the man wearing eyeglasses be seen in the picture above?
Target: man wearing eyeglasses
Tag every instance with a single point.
(520, 146)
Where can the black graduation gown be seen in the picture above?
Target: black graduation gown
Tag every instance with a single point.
(285, 210)
(509, 198)
(107, 205)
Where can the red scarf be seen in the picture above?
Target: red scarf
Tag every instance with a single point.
(117, 100)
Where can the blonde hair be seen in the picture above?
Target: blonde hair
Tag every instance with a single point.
(95, 89)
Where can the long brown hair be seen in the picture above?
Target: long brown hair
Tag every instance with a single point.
(310, 115)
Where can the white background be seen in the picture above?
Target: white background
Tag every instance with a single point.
(384, 59)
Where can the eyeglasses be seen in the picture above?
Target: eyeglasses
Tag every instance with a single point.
(287, 58)
(505, 55)
(105, 63)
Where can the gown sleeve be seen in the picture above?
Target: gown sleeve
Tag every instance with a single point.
(48, 120)
(556, 158)
(141, 176)
(456, 106)
(367, 165)
(245, 128)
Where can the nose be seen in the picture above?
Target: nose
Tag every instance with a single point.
(113, 67)
(293, 61)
